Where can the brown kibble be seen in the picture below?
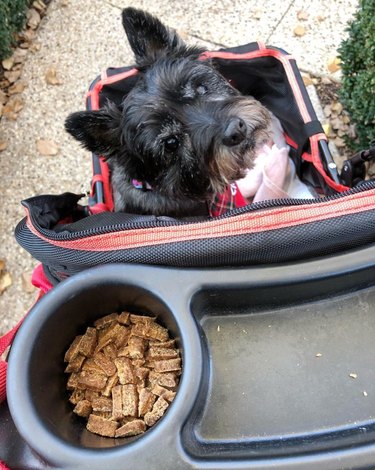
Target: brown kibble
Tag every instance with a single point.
(73, 350)
(114, 333)
(105, 321)
(135, 349)
(117, 412)
(163, 344)
(72, 381)
(124, 318)
(157, 411)
(102, 404)
(146, 401)
(125, 370)
(91, 380)
(132, 428)
(83, 408)
(92, 366)
(107, 366)
(91, 395)
(141, 374)
(88, 342)
(77, 396)
(122, 335)
(110, 351)
(163, 392)
(168, 379)
(75, 364)
(141, 318)
(102, 426)
(156, 353)
(138, 362)
(168, 365)
(104, 414)
(150, 330)
(111, 382)
(129, 400)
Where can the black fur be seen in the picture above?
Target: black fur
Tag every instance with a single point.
(183, 128)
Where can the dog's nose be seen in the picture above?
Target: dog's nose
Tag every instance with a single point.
(235, 132)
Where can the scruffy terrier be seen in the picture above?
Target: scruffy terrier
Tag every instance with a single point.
(183, 130)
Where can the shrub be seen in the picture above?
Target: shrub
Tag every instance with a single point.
(357, 55)
(12, 19)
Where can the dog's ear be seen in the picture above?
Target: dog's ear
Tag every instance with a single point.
(98, 131)
(148, 37)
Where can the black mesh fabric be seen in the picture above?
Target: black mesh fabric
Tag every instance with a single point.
(303, 241)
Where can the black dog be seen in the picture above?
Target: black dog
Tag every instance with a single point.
(183, 129)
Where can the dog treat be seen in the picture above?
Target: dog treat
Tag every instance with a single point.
(132, 428)
(168, 379)
(135, 348)
(146, 401)
(125, 370)
(83, 408)
(72, 352)
(167, 366)
(157, 411)
(123, 374)
(99, 425)
(105, 364)
(87, 344)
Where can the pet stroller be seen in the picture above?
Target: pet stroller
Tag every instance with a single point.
(266, 264)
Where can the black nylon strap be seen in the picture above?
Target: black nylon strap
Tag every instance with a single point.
(310, 128)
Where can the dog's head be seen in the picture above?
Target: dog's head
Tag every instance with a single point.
(182, 128)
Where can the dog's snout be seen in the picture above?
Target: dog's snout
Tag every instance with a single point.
(235, 132)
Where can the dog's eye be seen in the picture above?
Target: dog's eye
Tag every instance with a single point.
(201, 89)
(171, 144)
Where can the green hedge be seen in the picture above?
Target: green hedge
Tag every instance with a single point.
(12, 19)
(357, 92)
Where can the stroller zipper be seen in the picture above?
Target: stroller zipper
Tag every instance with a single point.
(258, 206)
